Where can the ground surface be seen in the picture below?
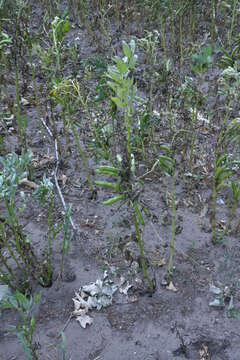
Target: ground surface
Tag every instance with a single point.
(174, 322)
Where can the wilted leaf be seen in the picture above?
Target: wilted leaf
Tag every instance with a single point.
(215, 290)
(95, 295)
(159, 262)
(204, 354)
(80, 312)
(84, 320)
(231, 305)
(77, 304)
(125, 290)
(27, 182)
(63, 179)
(132, 299)
(216, 302)
(25, 102)
(91, 289)
(171, 287)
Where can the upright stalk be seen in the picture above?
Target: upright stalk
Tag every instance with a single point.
(6, 243)
(220, 142)
(194, 122)
(233, 20)
(82, 154)
(35, 91)
(213, 16)
(172, 245)
(19, 124)
(50, 237)
(140, 244)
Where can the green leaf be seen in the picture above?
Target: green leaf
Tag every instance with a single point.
(32, 325)
(166, 167)
(106, 184)
(167, 158)
(220, 171)
(138, 214)
(113, 85)
(61, 29)
(114, 200)
(227, 175)
(132, 46)
(22, 339)
(13, 301)
(63, 345)
(4, 292)
(235, 190)
(110, 169)
(167, 149)
(118, 102)
(36, 298)
(220, 160)
(114, 74)
(23, 301)
(140, 100)
(133, 61)
(197, 69)
(220, 186)
(126, 49)
(107, 172)
(122, 67)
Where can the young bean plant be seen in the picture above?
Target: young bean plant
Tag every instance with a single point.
(128, 187)
(24, 306)
(18, 245)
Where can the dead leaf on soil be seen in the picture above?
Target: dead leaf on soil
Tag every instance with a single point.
(28, 183)
(221, 224)
(171, 287)
(25, 102)
(46, 160)
(63, 179)
(125, 289)
(84, 320)
(95, 295)
(216, 303)
(132, 299)
(204, 211)
(215, 290)
(159, 262)
(204, 354)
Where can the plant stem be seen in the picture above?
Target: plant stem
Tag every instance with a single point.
(221, 141)
(36, 92)
(19, 125)
(233, 212)
(194, 122)
(50, 236)
(140, 244)
(213, 15)
(233, 20)
(213, 220)
(173, 224)
(80, 151)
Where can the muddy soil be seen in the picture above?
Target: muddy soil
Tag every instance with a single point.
(176, 321)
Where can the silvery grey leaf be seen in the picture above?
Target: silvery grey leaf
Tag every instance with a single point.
(217, 303)
(231, 305)
(215, 290)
